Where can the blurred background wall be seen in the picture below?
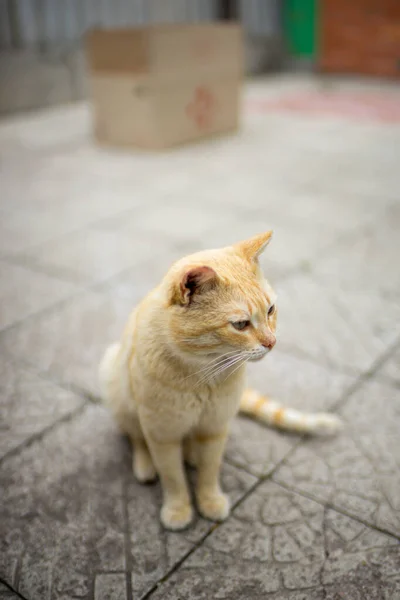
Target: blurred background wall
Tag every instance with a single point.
(42, 61)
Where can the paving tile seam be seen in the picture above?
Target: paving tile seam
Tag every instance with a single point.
(80, 291)
(127, 543)
(213, 526)
(50, 377)
(88, 225)
(89, 397)
(91, 285)
(248, 493)
(66, 275)
(12, 590)
(23, 259)
(332, 506)
(369, 374)
(37, 437)
(297, 352)
(48, 309)
(341, 238)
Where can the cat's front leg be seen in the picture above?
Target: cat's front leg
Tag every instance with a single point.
(212, 502)
(176, 511)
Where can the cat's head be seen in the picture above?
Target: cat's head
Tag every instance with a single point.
(219, 303)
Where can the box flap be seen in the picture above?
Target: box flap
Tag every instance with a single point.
(197, 46)
(118, 50)
(166, 49)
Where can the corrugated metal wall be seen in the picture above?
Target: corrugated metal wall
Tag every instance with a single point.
(43, 24)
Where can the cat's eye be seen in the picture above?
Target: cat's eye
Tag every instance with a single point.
(271, 310)
(240, 325)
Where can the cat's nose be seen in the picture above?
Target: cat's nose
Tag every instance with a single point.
(269, 342)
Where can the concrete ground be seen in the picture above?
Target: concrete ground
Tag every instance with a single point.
(85, 232)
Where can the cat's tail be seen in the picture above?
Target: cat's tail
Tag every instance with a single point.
(271, 412)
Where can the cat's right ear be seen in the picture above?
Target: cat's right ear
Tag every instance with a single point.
(255, 246)
(191, 282)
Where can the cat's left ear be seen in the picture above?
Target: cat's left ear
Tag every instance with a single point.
(193, 281)
(253, 247)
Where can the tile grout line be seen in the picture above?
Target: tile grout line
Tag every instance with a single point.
(43, 433)
(335, 508)
(249, 492)
(65, 275)
(296, 352)
(338, 369)
(368, 374)
(81, 290)
(260, 480)
(7, 585)
(91, 224)
(18, 259)
(214, 526)
(127, 543)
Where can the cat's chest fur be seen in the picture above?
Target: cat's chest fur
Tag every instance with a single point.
(183, 405)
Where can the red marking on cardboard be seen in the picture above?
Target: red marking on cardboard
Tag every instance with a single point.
(201, 108)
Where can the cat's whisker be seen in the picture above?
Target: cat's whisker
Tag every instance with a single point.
(207, 377)
(238, 367)
(220, 368)
(214, 362)
(213, 376)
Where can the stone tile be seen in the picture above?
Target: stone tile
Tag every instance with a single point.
(7, 594)
(369, 167)
(68, 343)
(180, 219)
(297, 383)
(24, 292)
(198, 227)
(391, 368)
(62, 509)
(147, 275)
(294, 243)
(28, 405)
(367, 261)
(20, 229)
(76, 182)
(37, 132)
(29, 227)
(348, 329)
(358, 471)
(63, 518)
(110, 586)
(92, 255)
(154, 550)
(283, 546)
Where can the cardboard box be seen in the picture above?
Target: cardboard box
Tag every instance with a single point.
(166, 85)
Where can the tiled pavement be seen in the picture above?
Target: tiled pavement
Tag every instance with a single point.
(84, 233)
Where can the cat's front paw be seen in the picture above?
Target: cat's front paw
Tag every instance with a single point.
(214, 506)
(176, 516)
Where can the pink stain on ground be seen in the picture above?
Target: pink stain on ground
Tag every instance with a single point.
(358, 106)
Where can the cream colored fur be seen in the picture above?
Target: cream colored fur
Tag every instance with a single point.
(178, 375)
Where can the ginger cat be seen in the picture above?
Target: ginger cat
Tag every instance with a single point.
(177, 377)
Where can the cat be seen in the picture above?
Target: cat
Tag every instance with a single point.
(177, 377)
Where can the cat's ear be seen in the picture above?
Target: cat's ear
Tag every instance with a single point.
(193, 281)
(253, 247)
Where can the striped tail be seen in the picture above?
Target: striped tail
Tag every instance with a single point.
(271, 412)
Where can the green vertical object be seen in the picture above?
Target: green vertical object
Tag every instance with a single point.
(300, 27)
